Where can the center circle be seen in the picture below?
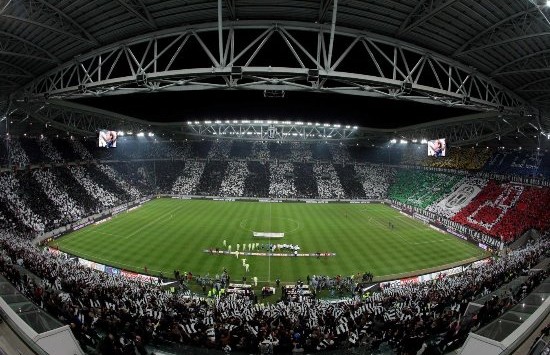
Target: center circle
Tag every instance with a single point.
(273, 225)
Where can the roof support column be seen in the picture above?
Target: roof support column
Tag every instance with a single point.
(220, 33)
(332, 29)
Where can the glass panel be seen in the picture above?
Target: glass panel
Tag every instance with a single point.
(498, 330)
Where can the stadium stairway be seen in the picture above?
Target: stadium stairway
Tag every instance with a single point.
(10, 343)
(512, 286)
(529, 347)
(525, 237)
(502, 330)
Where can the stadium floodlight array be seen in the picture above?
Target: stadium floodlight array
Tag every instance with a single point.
(272, 129)
(268, 122)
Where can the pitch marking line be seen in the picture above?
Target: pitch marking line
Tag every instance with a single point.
(298, 226)
(398, 234)
(158, 219)
(108, 262)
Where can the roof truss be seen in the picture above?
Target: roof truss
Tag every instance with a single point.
(160, 62)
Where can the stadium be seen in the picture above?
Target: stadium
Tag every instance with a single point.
(256, 177)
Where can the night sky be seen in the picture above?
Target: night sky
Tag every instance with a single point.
(295, 106)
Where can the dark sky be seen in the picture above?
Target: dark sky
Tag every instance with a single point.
(251, 104)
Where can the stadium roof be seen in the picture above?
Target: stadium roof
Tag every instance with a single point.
(485, 56)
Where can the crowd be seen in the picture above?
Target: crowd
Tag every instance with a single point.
(10, 194)
(281, 182)
(320, 151)
(137, 174)
(349, 181)
(32, 149)
(220, 150)
(64, 149)
(17, 155)
(532, 163)
(49, 151)
(114, 176)
(117, 315)
(375, 179)
(257, 181)
(340, 153)
(294, 170)
(421, 188)
(305, 181)
(241, 150)
(212, 177)
(338, 286)
(80, 150)
(75, 190)
(260, 151)
(279, 150)
(234, 179)
(473, 158)
(113, 314)
(187, 182)
(411, 154)
(107, 182)
(463, 193)
(300, 152)
(505, 210)
(162, 173)
(105, 198)
(69, 209)
(3, 151)
(37, 200)
(328, 183)
(519, 162)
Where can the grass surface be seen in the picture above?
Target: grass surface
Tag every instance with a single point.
(171, 234)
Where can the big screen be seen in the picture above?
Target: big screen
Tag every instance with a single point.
(106, 139)
(437, 148)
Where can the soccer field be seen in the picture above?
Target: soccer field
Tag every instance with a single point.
(172, 234)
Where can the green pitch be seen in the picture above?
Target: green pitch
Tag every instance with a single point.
(170, 234)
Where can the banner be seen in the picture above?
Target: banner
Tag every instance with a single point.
(112, 270)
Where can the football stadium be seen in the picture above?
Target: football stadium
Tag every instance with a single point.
(274, 177)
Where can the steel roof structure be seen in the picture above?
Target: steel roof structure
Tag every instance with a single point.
(490, 56)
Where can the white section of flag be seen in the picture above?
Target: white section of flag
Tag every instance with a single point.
(466, 191)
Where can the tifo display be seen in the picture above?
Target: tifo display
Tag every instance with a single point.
(266, 230)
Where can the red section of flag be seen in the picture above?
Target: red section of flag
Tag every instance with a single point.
(494, 212)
